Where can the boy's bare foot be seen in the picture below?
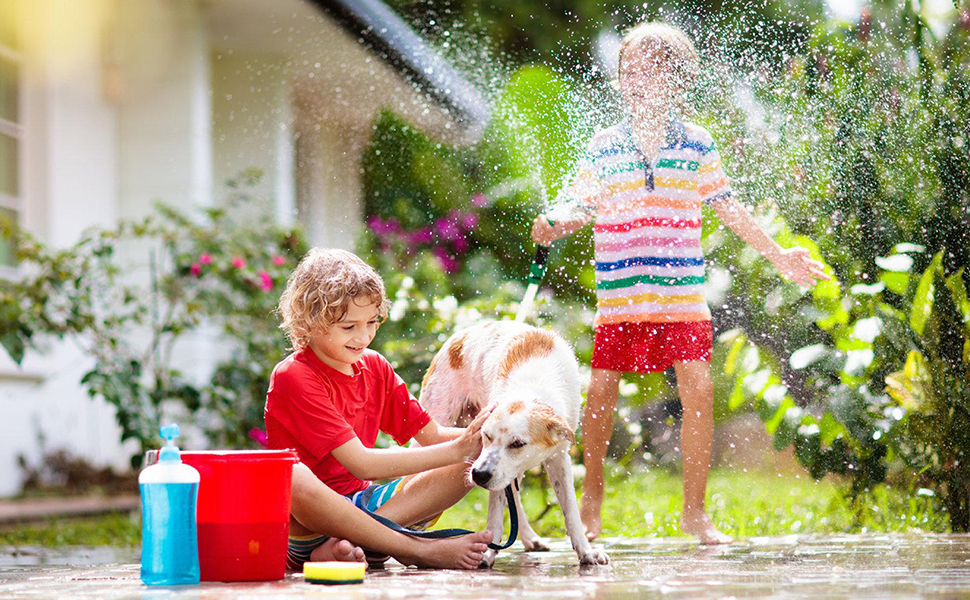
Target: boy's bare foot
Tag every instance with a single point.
(702, 526)
(334, 549)
(464, 552)
(589, 514)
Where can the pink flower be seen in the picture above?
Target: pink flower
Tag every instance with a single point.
(479, 200)
(382, 227)
(461, 245)
(469, 220)
(205, 259)
(279, 261)
(448, 228)
(448, 262)
(259, 436)
(195, 269)
(265, 281)
(422, 236)
(239, 263)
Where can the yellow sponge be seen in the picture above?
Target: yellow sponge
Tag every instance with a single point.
(334, 573)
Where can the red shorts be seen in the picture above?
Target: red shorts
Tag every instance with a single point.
(650, 347)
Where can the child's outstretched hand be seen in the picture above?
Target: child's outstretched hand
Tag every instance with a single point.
(469, 443)
(544, 233)
(797, 265)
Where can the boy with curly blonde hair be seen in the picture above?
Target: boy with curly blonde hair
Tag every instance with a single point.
(331, 397)
(643, 183)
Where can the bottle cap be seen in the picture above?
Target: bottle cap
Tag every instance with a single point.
(170, 452)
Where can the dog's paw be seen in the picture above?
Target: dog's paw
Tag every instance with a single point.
(594, 556)
(488, 560)
(536, 544)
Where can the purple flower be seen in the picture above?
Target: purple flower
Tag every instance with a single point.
(382, 227)
(469, 220)
(461, 245)
(448, 262)
(479, 200)
(448, 229)
(259, 436)
(279, 261)
(422, 236)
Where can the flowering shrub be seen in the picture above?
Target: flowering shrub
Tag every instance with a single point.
(219, 272)
(448, 238)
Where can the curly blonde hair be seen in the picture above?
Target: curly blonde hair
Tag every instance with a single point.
(673, 46)
(321, 288)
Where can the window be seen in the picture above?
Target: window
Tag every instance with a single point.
(11, 133)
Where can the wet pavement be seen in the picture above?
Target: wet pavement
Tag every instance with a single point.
(848, 566)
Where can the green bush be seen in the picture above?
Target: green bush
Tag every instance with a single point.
(217, 270)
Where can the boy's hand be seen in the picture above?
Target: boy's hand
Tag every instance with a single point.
(543, 233)
(469, 443)
(797, 265)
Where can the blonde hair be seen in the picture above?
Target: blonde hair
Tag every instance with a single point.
(321, 288)
(674, 47)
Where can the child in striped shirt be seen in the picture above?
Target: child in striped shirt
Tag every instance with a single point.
(643, 183)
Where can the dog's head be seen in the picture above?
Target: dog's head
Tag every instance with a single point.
(517, 436)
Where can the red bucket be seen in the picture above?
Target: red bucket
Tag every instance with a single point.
(243, 512)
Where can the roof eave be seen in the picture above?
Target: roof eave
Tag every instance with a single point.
(395, 42)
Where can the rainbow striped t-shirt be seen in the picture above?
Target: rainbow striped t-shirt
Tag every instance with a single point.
(647, 229)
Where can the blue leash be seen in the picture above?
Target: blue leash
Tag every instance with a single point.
(449, 533)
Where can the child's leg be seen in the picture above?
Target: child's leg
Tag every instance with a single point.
(696, 441)
(317, 508)
(597, 428)
(424, 496)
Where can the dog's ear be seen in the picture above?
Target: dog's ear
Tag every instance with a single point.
(548, 428)
(560, 431)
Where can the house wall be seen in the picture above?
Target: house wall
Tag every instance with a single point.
(70, 169)
(109, 128)
(253, 127)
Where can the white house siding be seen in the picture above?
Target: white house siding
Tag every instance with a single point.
(119, 92)
(70, 183)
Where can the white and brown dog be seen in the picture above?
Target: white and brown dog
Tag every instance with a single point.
(531, 377)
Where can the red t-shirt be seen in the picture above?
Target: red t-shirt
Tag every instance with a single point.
(314, 408)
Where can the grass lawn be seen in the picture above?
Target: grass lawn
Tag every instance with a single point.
(648, 504)
(640, 504)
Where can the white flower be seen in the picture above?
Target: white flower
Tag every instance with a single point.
(446, 307)
(398, 308)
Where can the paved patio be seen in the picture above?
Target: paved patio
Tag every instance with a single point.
(870, 566)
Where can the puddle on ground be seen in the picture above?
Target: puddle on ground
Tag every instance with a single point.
(918, 566)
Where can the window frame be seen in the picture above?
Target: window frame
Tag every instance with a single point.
(16, 131)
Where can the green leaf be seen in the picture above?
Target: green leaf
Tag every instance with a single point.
(897, 283)
(959, 292)
(730, 362)
(923, 299)
(830, 429)
(771, 425)
(14, 345)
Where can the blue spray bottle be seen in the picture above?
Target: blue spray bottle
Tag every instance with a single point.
(169, 543)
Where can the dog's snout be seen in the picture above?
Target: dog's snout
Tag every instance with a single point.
(481, 477)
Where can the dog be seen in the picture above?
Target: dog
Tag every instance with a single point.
(531, 377)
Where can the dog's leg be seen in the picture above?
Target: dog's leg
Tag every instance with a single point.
(496, 520)
(531, 540)
(560, 472)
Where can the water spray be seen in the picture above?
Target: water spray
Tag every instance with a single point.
(536, 272)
